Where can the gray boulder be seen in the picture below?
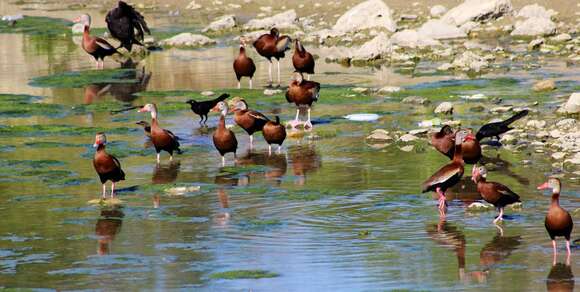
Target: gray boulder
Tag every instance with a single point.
(283, 20)
(412, 39)
(535, 26)
(187, 39)
(437, 10)
(368, 14)
(223, 23)
(572, 106)
(477, 10)
(438, 29)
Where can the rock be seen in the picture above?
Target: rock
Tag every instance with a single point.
(418, 131)
(508, 139)
(373, 49)
(535, 44)
(502, 109)
(477, 10)
(477, 206)
(407, 148)
(223, 23)
(412, 39)
(438, 29)
(380, 135)
(468, 26)
(270, 92)
(534, 26)
(541, 135)
(558, 155)
(408, 138)
(572, 106)
(187, 39)
(409, 17)
(445, 67)
(437, 10)
(536, 124)
(477, 96)
(360, 90)
(180, 191)
(470, 61)
(535, 10)
(283, 20)
(430, 123)
(193, 5)
(207, 93)
(389, 89)
(555, 134)
(545, 85)
(575, 159)
(566, 123)
(563, 37)
(415, 100)
(444, 108)
(368, 14)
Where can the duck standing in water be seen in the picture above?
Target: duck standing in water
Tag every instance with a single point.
(302, 60)
(249, 120)
(107, 166)
(243, 65)
(274, 133)
(162, 139)
(97, 47)
(224, 139)
(448, 175)
(123, 21)
(494, 193)
(302, 93)
(272, 45)
(558, 221)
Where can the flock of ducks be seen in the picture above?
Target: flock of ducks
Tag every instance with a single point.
(461, 146)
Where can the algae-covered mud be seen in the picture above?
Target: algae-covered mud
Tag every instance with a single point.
(340, 207)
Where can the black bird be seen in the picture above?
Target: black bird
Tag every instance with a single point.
(126, 25)
(498, 128)
(202, 108)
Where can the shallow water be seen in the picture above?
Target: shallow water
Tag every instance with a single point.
(330, 213)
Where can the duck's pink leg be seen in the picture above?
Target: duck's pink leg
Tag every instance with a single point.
(442, 202)
(554, 247)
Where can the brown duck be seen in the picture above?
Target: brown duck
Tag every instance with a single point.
(448, 175)
(274, 133)
(249, 120)
(97, 47)
(272, 45)
(494, 193)
(162, 139)
(224, 139)
(244, 66)
(302, 93)
(302, 60)
(558, 221)
(107, 166)
(444, 141)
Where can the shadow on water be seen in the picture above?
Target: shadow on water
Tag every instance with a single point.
(560, 278)
(107, 228)
(166, 173)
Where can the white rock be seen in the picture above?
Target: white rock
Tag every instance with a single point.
(544, 85)
(380, 135)
(368, 14)
(477, 206)
(508, 139)
(412, 39)
(408, 138)
(193, 5)
(575, 159)
(373, 49)
(207, 93)
(390, 89)
(418, 131)
(566, 123)
(360, 90)
(270, 92)
(502, 109)
(477, 10)
(534, 26)
(536, 124)
(477, 96)
(415, 100)
(437, 10)
(222, 23)
(558, 155)
(407, 148)
(438, 29)
(563, 37)
(470, 61)
(535, 10)
(468, 26)
(572, 106)
(283, 20)
(187, 39)
(555, 134)
(445, 67)
(535, 44)
(444, 108)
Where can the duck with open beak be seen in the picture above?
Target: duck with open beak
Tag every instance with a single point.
(558, 221)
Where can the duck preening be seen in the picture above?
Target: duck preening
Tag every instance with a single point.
(107, 166)
(162, 139)
(224, 139)
(274, 133)
(302, 60)
(444, 141)
(202, 108)
(302, 93)
(558, 221)
(243, 65)
(448, 175)
(272, 45)
(97, 47)
(126, 25)
(146, 127)
(498, 128)
(249, 120)
(494, 193)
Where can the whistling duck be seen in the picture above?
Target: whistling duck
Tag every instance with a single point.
(302, 93)
(494, 193)
(80, 23)
(443, 141)
(274, 133)
(146, 127)
(123, 21)
(448, 175)
(202, 108)
(107, 227)
(498, 128)
(244, 66)
(270, 46)
(162, 139)
(107, 166)
(97, 47)
(249, 120)
(302, 60)
(558, 221)
(224, 139)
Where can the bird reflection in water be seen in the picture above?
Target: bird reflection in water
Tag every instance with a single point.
(156, 201)
(276, 164)
(223, 216)
(304, 160)
(560, 277)
(166, 173)
(94, 92)
(449, 236)
(503, 166)
(498, 249)
(137, 81)
(107, 227)
(465, 191)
